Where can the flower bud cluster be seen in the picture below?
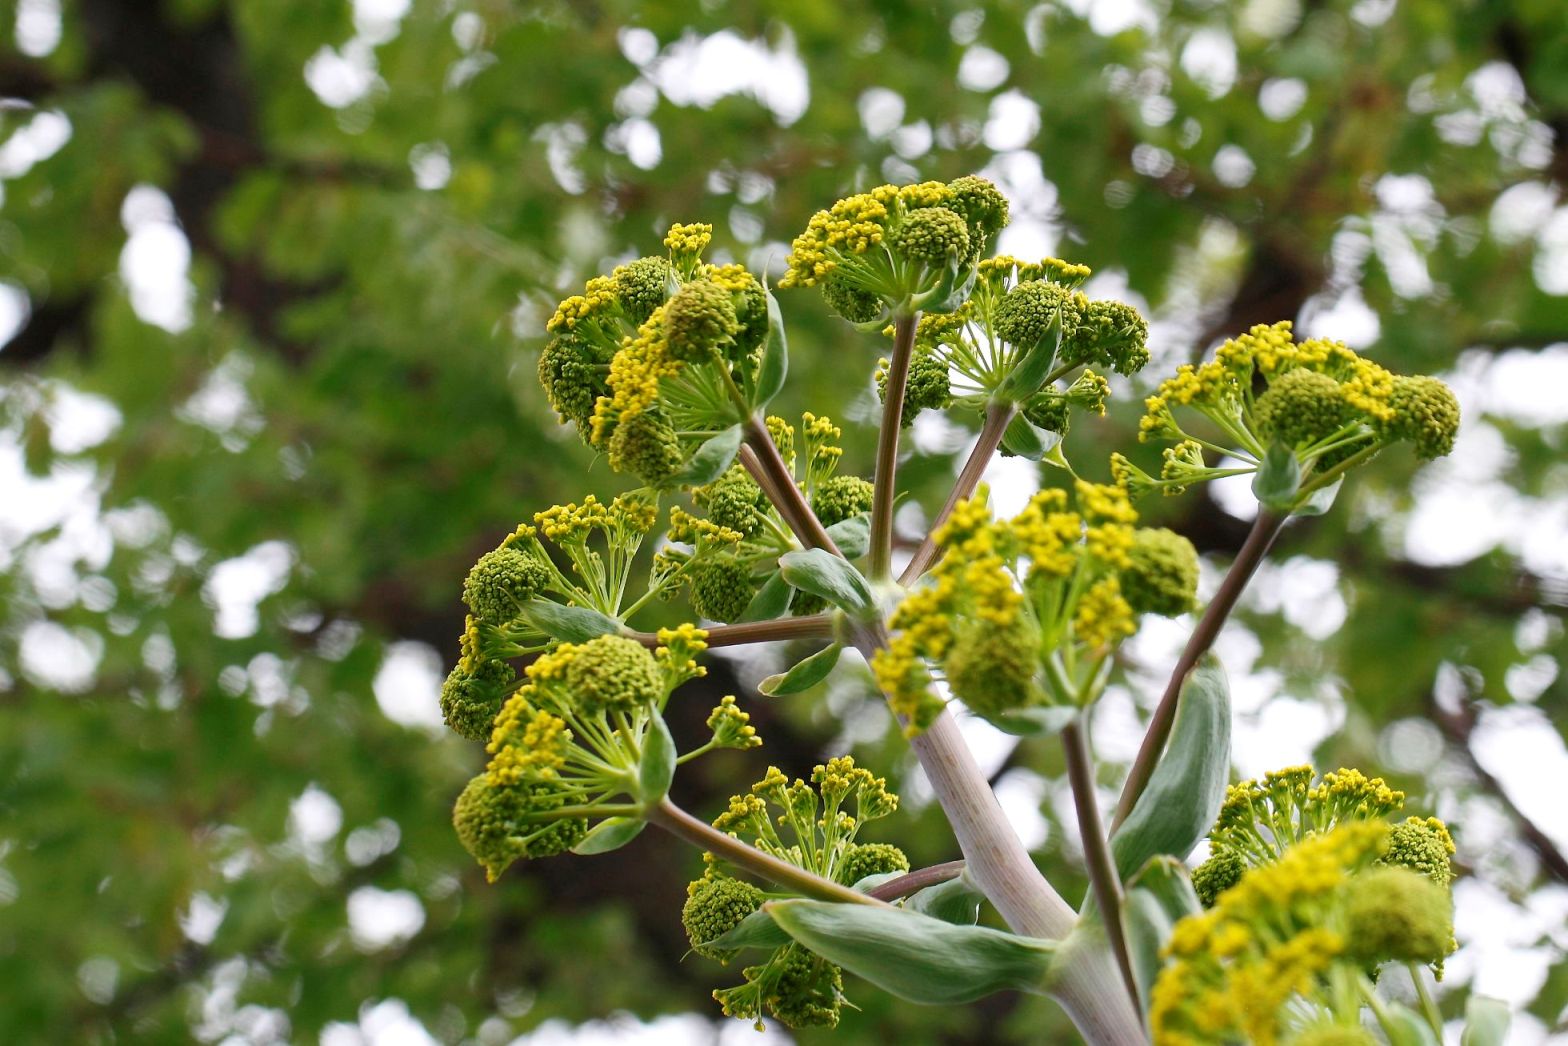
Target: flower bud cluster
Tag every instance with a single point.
(1026, 611)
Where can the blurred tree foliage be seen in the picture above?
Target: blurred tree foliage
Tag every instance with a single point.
(333, 412)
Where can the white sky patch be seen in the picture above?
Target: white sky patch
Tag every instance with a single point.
(1209, 58)
(385, 1023)
(155, 262)
(1520, 211)
(1233, 167)
(202, 917)
(58, 658)
(881, 111)
(315, 818)
(1498, 950)
(342, 76)
(1012, 122)
(699, 70)
(1521, 385)
(37, 27)
(1281, 98)
(626, 1030)
(1347, 318)
(639, 140)
(223, 406)
(1283, 733)
(235, 587)
(36, 140)
(431, 165)
(982, 69)
(1109, 17)
(1519, 746)
(379, 918)
(15, 308)
(1021, 792)
(1013, 482)
(79, 421)
(1551, 259)
(408, 685)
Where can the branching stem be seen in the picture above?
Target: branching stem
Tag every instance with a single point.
(762, 459)
(998, 415)
(1264, 529)
(885, 486)
(816, 626)
(914, 882)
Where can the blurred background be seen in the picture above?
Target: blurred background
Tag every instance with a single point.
(273, 275)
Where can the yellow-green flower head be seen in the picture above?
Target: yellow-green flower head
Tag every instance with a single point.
(498, 824)
(715, 905)
(677, 653)
(865, 859)
(646, 445)
(642, 286)
(502, 582)
(808, 992)
(932, 236)
(472, 695)
(1162, 577)
(1300, 408)
(1050, 411)
(992, 667)
(929, 386)
(904, 679)
(722, 588)
(1422, 844)
(700, 322)
(983, 206)
(1222, 870)
(1029, 309)
(607, 673)
(1397, 915)
(731, 727)
(1089, 392)
(841, 497)
(687, 242)
(1110, 333)
(573, 375)
(1103, 617)
(750, 301)
(783, 435)
(734, 501)
(636, 370)
(1425, 414)
(848, 300)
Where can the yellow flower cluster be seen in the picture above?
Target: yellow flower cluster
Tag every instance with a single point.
(677, 653)
(688, 241)
(853, 226)
(1235, 967)
(597, 297)
(997, 270)
(635, 372)
(573, 523)
(1103, 616)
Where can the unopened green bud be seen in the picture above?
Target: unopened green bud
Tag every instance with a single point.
(1300, 408)
(1394, 914)
(1029, 309)
(498, 824)
(865, 859)
(849, 301)
(699, 321)
(721, 588)
(735, 501)
(1223, 869)
(983, 206)
(1426, 415)
(715, 905)
(642, 286)
(646, 446)
(932, 236)
(1049, 410)
(573, 377)
(472, 695)
(808, 992)
(841, 497)
(503, 580)
(1163, 577)
(613, 673)
(1422, 845)
(1110, 333)
(992, 668)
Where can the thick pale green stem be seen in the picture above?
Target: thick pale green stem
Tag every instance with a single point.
(678, 822)
(885, 488)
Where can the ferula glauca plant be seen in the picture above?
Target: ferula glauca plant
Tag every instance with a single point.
(1312, 886)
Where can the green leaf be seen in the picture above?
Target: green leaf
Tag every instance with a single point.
(1277, 479)
(568, 624)
(757, 930)
(1167, 880)
(609, 834)
(775, 357)
(871, 882)
(771, 600)
(1028, 375)
(657, 768)
(710, 461)
(914, 956)
(804, 675)
(852, 535)
(1405, 1027)
(1038, 721)
(1158, 897)
(1188, 784)
(1320, 500)
(1023, 439)
(1486, 1021)
(823, 574)
(951, 290)
(956, 901)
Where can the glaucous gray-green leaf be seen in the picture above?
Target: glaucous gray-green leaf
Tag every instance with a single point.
(1028, 375)
(805, 674)
(610, 834)
(956, 901)
(657, 768)
(951, 291)
(711, 460)
(771, 600)
(569, 624)
(1188, 784)
(1320, 500)
(1024, 439)
(1486, 1021)
(823, 574)
(1277, 479)
(1405, 1027)
(852, 535)
(914, 956)
(1158, 897)
(774, 365)
(1036, 721)
(757, 930)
